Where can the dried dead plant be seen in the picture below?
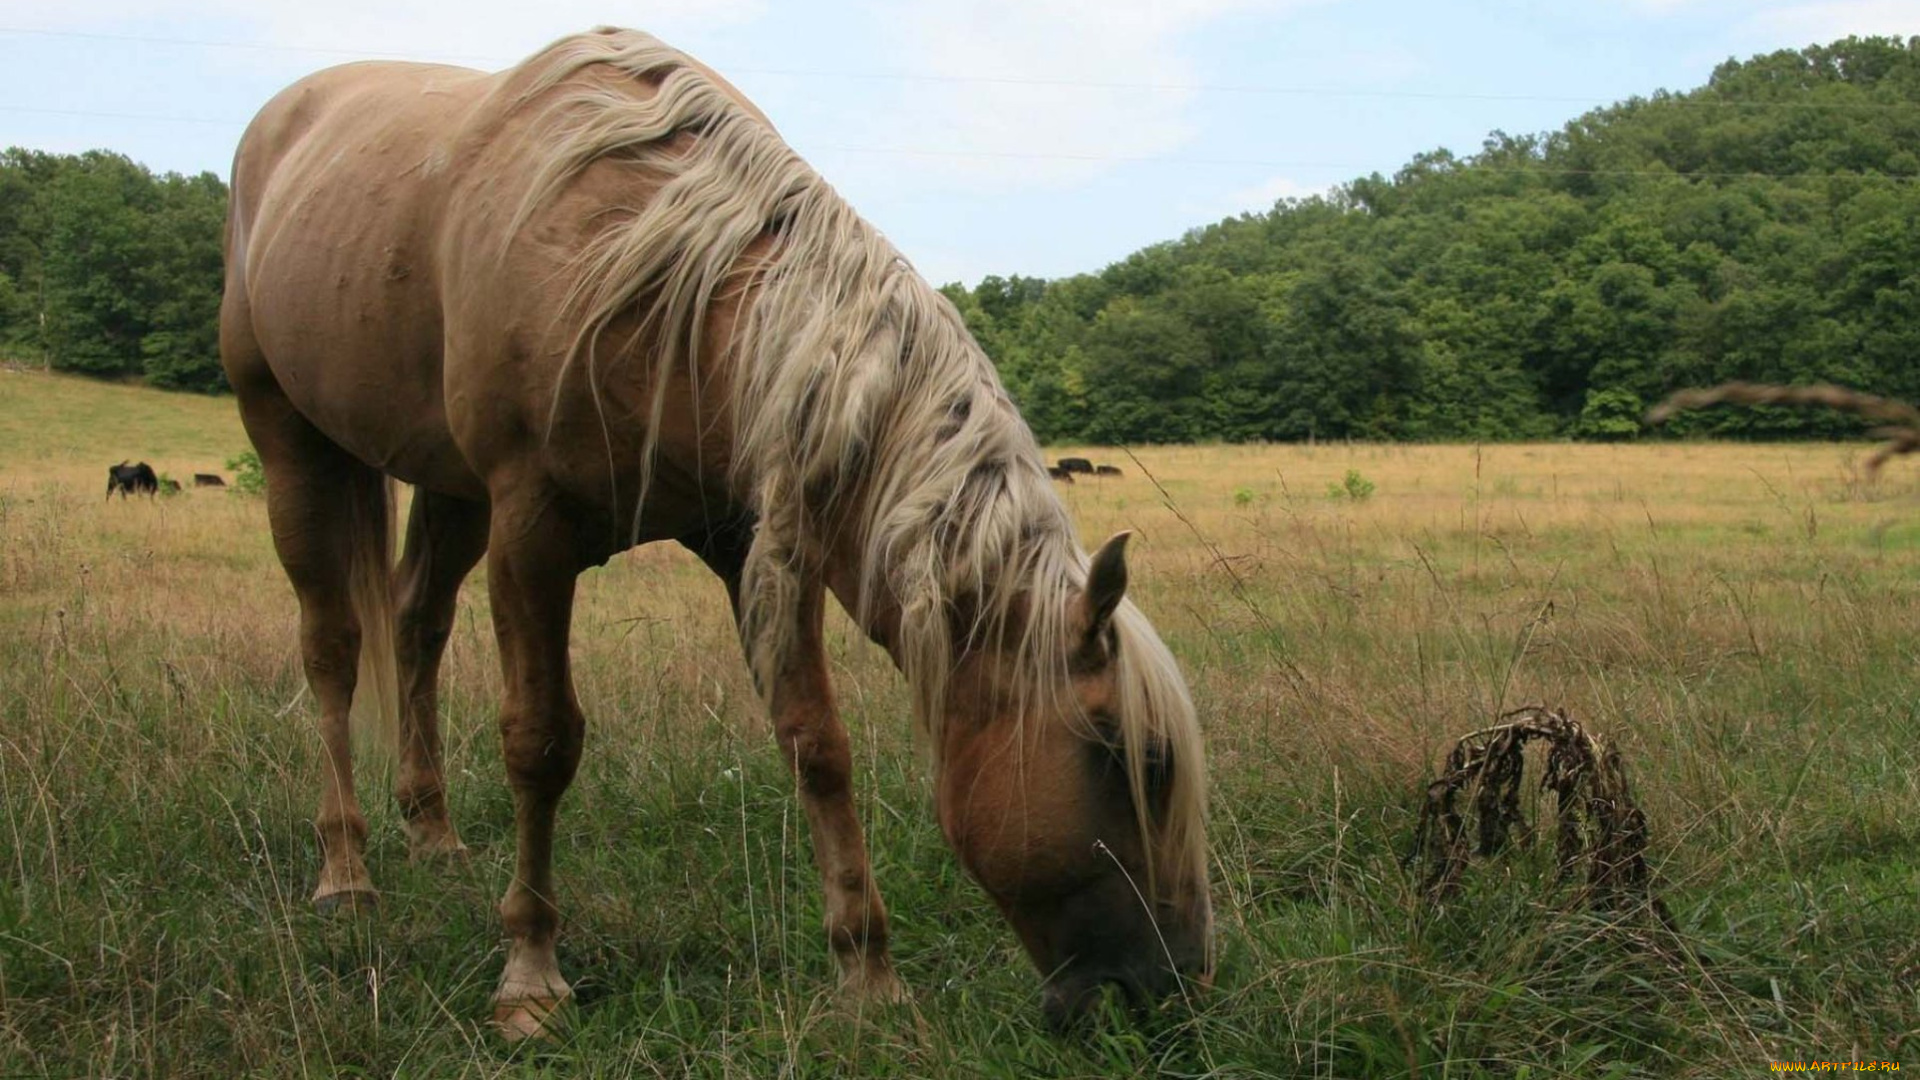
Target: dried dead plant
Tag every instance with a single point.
(1899, 422)
(1597, 823)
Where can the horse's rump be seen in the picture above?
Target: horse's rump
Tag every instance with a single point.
(402, 228)
(332, 259)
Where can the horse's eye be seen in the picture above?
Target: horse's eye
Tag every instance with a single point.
(1109, 748)
(1159, 767)
(1106, 740)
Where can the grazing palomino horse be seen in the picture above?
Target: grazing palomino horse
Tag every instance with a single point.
(594, 301)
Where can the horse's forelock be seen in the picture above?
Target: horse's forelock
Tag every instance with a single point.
(1161, 731)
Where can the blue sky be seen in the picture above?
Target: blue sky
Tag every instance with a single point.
(1041, 137)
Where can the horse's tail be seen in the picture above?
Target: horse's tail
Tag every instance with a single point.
(370, 588)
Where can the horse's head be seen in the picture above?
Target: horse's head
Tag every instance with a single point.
(1080, 808)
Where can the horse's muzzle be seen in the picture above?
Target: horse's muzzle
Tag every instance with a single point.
(1070, 997)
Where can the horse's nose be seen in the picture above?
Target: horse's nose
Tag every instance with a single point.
(1070, 997)
(1067, 1001)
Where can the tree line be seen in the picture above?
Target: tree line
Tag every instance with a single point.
(108, 269)
(1765, 226)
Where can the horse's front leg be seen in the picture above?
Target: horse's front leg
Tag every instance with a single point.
(814, 743)
(531, 568)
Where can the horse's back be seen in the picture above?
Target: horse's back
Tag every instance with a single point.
(338, 188)
(406, 286)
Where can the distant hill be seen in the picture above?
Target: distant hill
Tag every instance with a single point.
(61, 422)
(1764, 226)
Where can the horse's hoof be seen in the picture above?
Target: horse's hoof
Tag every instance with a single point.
(353, 901)
(874, 985)
(447, 849)
(529, 1018)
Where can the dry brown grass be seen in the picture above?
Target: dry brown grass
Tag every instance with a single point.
(1476, 577)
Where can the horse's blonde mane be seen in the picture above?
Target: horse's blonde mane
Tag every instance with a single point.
(862, 410)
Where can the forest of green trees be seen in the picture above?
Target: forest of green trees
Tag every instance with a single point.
(109, 270)
(1765, 226)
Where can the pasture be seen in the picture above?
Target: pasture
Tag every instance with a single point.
(1742, 621)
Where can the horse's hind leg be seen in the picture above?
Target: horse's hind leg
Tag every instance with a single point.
(315, 494)
(531, 566)
(445, 537)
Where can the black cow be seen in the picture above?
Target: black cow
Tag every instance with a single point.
(1075, 464)
(1060, 474)
(1106, 470)
(207, 479)
(132, 479)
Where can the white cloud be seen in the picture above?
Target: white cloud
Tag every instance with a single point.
(1000, 93)
(1023, 92)
(1825, 22)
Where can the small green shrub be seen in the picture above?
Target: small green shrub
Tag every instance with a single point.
(1611, 415)
(1243, 496)
(1355, 487)
(248, 477)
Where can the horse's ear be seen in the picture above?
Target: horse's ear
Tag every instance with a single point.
(1106, 585)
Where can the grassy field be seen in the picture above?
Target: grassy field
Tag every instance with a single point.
(1740, 620)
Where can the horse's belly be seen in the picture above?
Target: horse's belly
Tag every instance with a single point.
(381, 403)
(359, 372)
